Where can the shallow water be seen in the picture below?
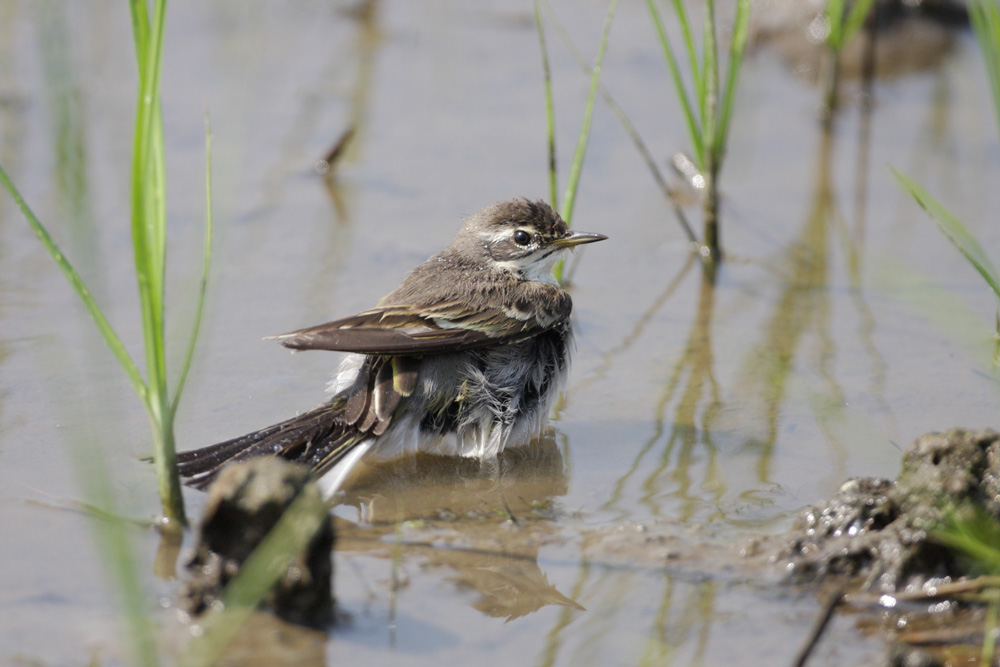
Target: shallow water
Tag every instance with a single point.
(842, 326)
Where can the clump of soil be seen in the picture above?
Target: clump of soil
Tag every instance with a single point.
(244, 504)
(882, 530)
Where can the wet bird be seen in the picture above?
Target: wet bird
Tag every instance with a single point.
(464, 358)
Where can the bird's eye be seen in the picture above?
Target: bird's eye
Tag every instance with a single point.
(522, 237)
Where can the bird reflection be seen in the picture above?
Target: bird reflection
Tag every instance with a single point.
(481, 522)
(509, 585)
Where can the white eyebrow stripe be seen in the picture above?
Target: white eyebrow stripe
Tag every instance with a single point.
(505, 234)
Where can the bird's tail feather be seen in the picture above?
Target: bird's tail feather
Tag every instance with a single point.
(323, 436)
(317, 438)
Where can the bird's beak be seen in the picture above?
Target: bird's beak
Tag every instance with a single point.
(577, 238)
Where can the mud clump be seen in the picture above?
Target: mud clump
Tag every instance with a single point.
(245, 503)
(882, 530)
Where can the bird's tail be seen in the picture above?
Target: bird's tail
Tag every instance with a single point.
(318, 439)
(321, 437)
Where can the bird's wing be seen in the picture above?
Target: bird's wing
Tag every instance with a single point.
(447, 326)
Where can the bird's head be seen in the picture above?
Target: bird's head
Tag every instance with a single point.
(522, 237)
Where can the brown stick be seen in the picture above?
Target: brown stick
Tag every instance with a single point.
(819, 627)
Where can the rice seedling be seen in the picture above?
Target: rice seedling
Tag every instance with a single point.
(148, 226)
(954, 229)
(633, 134)
(985, 17)
(841, 25)
(707, 108)
(114, 536)
(975, 534)
(565, 204)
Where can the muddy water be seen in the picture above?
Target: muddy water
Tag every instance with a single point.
(842, 326)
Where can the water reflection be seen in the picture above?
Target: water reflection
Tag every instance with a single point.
(444, 512)
(368, 42)
(694, 391)
(790, 368)
(673, 624)
(802, 306)
(267, 641)
(69, 126)
(793, 364)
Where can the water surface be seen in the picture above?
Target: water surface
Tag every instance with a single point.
(842, 325)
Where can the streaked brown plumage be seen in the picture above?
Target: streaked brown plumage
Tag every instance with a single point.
(463, 358)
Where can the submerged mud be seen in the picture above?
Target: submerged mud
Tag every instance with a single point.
(873, 549)
(884, 531)
(880, 541)
(875, 542)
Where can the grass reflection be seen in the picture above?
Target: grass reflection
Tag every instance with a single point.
(675, 629)
(794, 362)
(693, 384)
(791, 367)
(677, 622)
(68, 128)
(802, 306)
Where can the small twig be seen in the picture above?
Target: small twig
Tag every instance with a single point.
(510, 513)
(964, 636)
(938, 592)
(819, 627)
(325, 165)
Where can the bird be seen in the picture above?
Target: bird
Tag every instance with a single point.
(465, 358)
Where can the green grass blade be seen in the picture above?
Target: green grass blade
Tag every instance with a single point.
(205, 264)
(120, 562)
(550, 116)
(710, 98)
(149, 247)
(140, 28)
(835, 24)
(629, 129)
(972, 546)
(956, 232)
(113, 536)
(975, 533)
(259, 573)
(697, 75)
(107, 331)
(576, 167)
(569, 194)
(985, 18)
(737, 49)
(855, 19)
(148, 217)
(693, 122)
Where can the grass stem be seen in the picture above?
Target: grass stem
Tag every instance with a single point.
(583, 138)
(985, 18)
(550, 118)
(566, 204)
(708, 109)
(149, 246)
